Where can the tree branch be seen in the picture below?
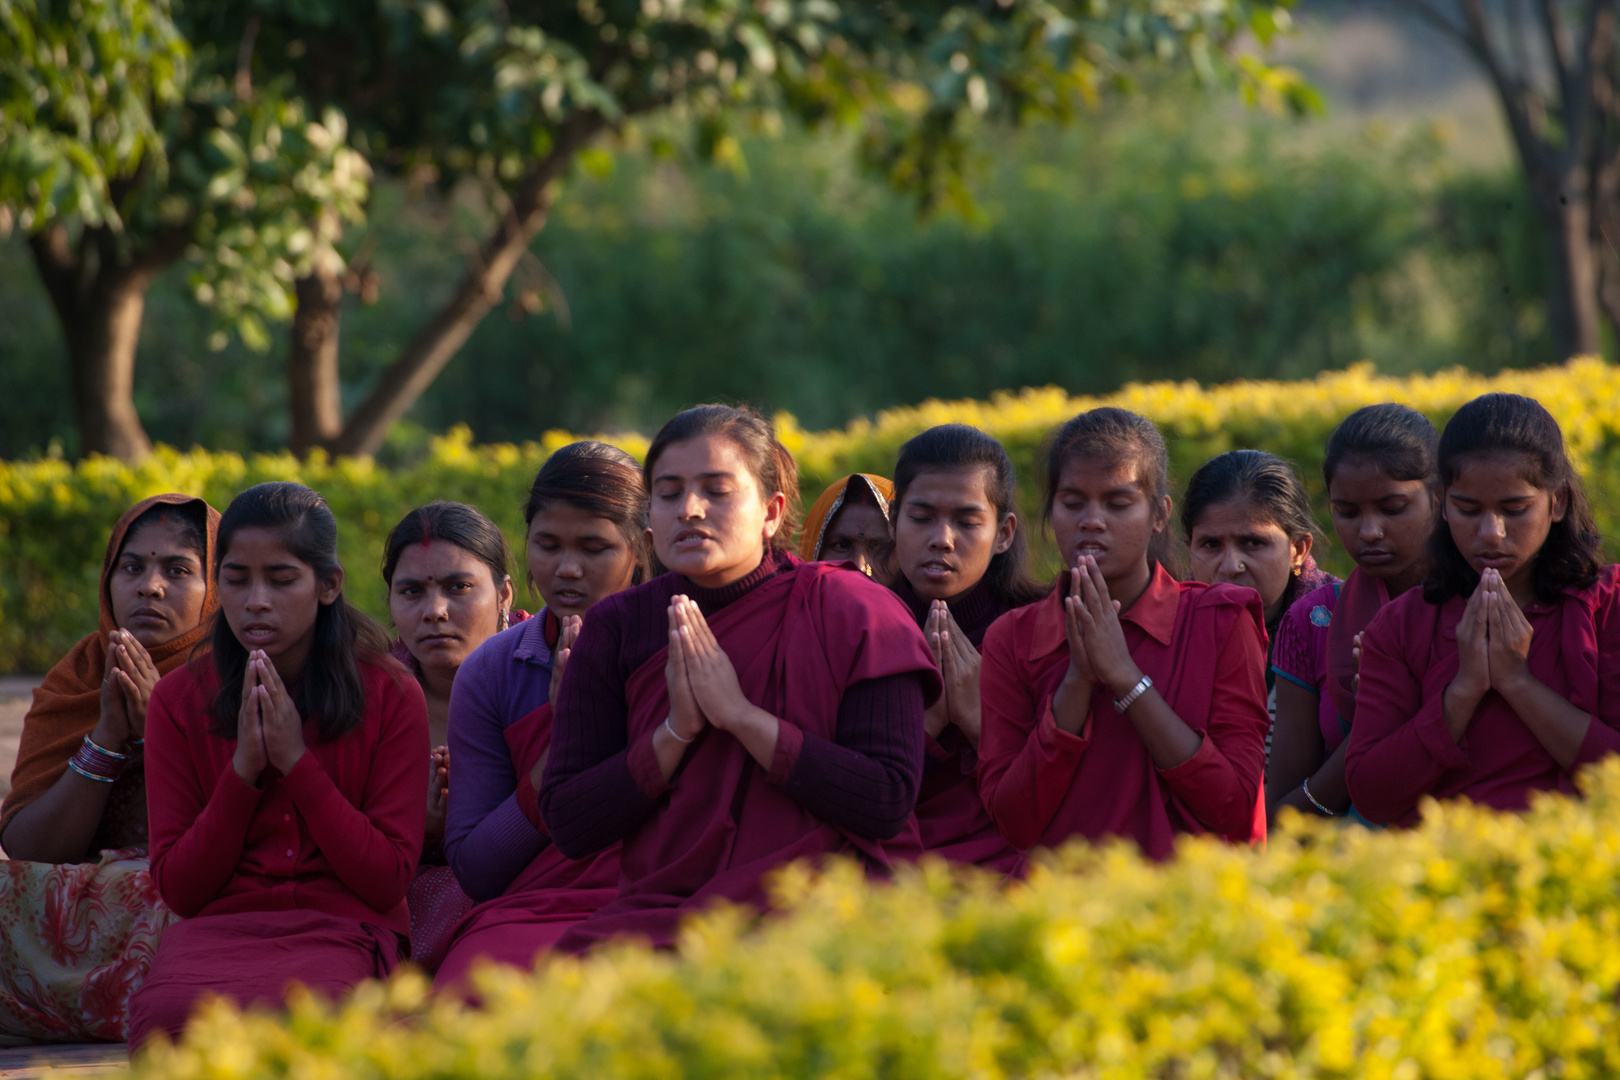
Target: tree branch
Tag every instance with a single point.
(1439, 22)
(1581, 92)
(1532, 150)
(436, 343)
(1558, 45)
(243, 84)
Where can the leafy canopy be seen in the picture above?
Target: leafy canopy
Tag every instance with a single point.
(111, 118)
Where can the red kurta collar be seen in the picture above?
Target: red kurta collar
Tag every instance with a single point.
(1154, 611)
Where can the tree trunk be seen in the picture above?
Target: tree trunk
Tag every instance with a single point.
(1573, 308)
(437, 343)
(99, 298)
(103, 358)
(314, 396)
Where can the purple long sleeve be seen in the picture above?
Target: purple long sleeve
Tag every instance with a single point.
(488, 839)
(864, 780)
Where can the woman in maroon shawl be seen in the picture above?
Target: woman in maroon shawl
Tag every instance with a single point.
(745, 710)
(79, 916)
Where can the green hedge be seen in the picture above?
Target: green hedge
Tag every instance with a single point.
(1476, 946)
(55, 516)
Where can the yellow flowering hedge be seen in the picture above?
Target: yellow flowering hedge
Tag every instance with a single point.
(1478, 945)
(54, 516)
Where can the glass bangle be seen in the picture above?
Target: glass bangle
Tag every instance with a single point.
(74, 765)
(1305, 786)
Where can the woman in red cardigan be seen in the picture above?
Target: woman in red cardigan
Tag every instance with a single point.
(1126, 703)
(286, 779)
(1501, 677)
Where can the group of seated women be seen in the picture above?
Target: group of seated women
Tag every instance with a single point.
(240, 783)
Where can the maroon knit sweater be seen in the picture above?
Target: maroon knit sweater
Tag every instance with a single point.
(864, 780)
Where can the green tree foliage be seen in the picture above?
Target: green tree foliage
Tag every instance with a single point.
(512, 93)
(1157, 241)
(125, 147)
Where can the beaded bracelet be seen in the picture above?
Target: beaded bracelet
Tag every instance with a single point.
(97, 763)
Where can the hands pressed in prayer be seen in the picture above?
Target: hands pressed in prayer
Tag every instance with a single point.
(1071, 704)
(279, 721)
(1098, 615)
(704, 691)
(250, 759)
(959, 664)
(571, 626)
(709, 672)
(686, 717)
(438, 792)
(126, 690)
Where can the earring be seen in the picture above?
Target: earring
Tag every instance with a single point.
(503, 619)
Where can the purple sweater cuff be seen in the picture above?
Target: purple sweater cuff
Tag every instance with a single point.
(642, 761)
(789, 741)
(496, 851)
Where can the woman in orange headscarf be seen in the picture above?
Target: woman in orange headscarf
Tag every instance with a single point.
(849, 522)
(79, 916)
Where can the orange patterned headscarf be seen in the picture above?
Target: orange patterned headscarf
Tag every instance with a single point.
(67, 704)
(828, 505)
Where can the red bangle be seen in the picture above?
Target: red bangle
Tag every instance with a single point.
(97, 762)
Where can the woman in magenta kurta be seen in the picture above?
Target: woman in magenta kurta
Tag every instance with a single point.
(1383, 489)
(586, 521)
(1126, 703)
(285, 779)
(959, 564)
(1501, 677)
(742, 711)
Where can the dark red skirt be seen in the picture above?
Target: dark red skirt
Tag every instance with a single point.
(252, 959)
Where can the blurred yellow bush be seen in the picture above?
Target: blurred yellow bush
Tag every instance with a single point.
(54, 516)
(1475, 946)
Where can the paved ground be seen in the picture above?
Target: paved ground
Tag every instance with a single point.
(15, 695)
(62, 1061)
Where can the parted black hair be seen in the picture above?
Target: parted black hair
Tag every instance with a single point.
(1263, 480)
(1400, 441)
(598, 479)
(455, 523)
(1516, 426)
(960, 446)
(330, 692)
(190, 518)
(771, 464)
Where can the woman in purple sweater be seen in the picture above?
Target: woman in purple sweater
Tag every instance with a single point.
(586, 520)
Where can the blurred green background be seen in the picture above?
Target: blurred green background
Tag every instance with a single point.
(1176, 235)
